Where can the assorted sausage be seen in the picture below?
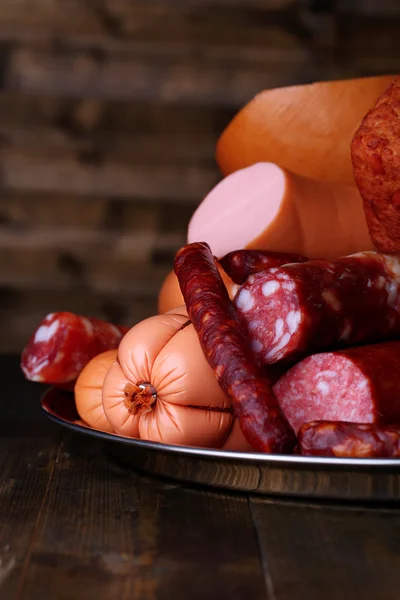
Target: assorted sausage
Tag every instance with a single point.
(258, 347)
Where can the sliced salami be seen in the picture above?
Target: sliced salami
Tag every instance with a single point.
(63, 344)
(227, 350)
(239, 264)
(349, 440)
(360, 384)
(299, 309)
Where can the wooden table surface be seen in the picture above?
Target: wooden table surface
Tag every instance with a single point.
(75, 525)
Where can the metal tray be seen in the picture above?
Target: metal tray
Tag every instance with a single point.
(374, 480)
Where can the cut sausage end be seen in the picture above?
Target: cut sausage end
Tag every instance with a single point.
(237, 210)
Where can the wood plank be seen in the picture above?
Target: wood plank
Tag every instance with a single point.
(25, 173)
(21, 311)
(27, 211)
(107, 533)
(328, 551)
(27, 452)
(382, 8)
(207, 22)
(136, 247)
(380, 55)
(104, 146)
(256, 50)
(183, 81)
(78, 117)
(98, 271)
(70, 15)
(185, 21)
(22, 212)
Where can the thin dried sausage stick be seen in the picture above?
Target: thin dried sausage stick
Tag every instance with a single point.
(239, 264)
(228, 352)
(300, 309)
(63, 344)
(375, 153)
(349, 440)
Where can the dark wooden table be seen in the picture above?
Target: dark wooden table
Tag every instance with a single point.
(75, 525)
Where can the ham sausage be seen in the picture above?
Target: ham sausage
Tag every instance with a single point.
(359, 384)
(163, 390)
(88, 390)
(299, 309)
(265, 207)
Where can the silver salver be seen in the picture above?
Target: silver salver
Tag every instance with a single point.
(373, 480)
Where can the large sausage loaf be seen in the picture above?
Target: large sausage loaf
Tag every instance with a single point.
(360, 384)
(300, 309)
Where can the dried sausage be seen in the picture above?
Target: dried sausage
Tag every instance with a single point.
(228, 352)
(239, 264)
(375, 153)
(359, 384)
(63, 344)
(349, 440)
(299, 309)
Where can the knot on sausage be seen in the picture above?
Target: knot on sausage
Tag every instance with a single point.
(139, 399)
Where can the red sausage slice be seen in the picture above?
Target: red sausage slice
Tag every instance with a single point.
(349, 440)
(360, 384)
(299, 309)
(228, 352)
(64, 343)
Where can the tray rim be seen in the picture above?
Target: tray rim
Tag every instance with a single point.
(255, 458)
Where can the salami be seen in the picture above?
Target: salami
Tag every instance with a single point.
(360, 384)
(63, 344)
(349, 440)
(239, 264)
(375, 153)
(299, 309)
(228, 352)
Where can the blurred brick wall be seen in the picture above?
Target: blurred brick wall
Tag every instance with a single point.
(109, 113)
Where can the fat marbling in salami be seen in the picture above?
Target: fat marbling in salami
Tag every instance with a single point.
(299, 309)
(64, 343)
(359, 384)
